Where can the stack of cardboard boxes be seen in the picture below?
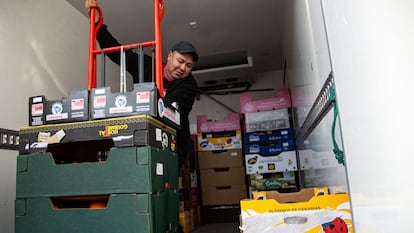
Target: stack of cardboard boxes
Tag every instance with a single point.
(189, 191)
(269, 142)
(109, 175)
(221, 168)
(101, 103)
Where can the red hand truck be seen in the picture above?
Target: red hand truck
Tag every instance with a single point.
(158, 14)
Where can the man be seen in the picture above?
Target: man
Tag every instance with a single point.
(180, 86)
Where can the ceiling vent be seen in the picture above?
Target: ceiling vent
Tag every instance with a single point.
(224, 72)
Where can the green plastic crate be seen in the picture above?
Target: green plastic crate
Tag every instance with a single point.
(124, 213)
(126, 170)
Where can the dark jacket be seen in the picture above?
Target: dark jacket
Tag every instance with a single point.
(183, 91)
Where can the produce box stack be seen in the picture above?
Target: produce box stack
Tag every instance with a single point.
(189, 189)
(221, 168)
(185, 204)
(269, 143)
(111, 175)
(102, 103)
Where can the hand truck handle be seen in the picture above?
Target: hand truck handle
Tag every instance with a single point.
(93, 29)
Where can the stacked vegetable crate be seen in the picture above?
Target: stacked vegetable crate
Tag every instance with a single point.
(221, 168)
(269, 143)
(92, 182)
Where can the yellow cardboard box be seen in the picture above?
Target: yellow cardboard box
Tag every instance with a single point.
(187, 220)
(219, 140)
(311, 210)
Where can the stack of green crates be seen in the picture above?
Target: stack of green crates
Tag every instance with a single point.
(133, 190)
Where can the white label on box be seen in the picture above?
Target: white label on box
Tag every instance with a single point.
(143, 97)
(100, 91)
(43, 136)
(37, 109)
(60, 134)
(285, 161)
(235, 153)
(77, 104)
(37, 99)
(98, 113)
(59, 116)
(99, 101)
(158, 137)
(159, 169)
(125, 109)
(145, 108)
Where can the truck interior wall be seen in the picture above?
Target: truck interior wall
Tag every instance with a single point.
(44, 46)
(372, 63)
(370, 48)
(308, 67)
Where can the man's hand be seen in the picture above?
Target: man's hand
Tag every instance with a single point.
(90, 4)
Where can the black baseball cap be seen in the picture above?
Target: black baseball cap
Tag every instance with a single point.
(186, 47)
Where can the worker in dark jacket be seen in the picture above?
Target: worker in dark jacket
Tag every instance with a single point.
(179, 85)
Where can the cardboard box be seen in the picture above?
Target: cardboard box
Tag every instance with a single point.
(219, 140)
(281, 100)
(195, 199)
(187, 220)
(206, 126)
(281, 181)
(285, 161)
(138, 130)
(37, 110)
(271, 149)
(220, 159)
(310, 210)
(267, 120)
(194, 179)
(223, 176)
(143, 99)
(223, 195)
(267, 137)
(74, 108)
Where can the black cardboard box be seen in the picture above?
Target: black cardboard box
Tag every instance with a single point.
(143, 99)
(138, 130)
(74, 108)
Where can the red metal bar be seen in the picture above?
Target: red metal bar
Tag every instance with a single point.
(92, 45)
(125, 47)
(158, 14)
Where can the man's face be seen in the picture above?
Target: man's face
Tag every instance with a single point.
(179, 65)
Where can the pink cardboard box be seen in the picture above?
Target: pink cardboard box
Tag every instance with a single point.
(281, 100)
(206, 126)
